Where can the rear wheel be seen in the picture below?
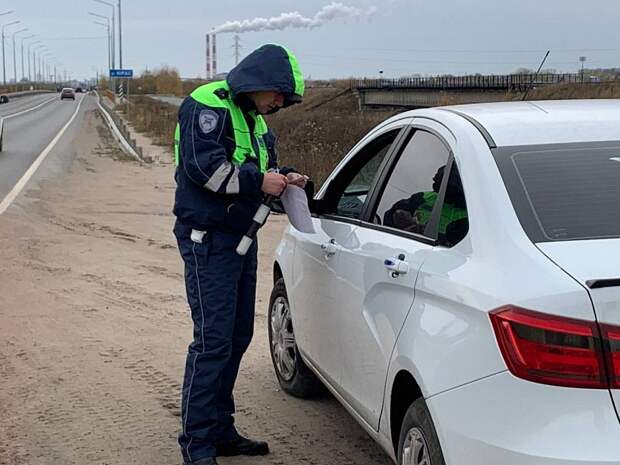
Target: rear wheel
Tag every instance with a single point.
(294, 376)
(419, 444)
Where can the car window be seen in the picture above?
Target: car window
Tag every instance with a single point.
(564, 192)
(348, 192)
(413, 187)
(453, 221)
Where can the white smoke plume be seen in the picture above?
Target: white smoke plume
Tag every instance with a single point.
(334, 10)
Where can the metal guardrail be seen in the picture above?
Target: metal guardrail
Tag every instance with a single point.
(122, 129)
(508, 82)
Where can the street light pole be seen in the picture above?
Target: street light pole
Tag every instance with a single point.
(30, 58)
(14, 60)
(109, 42)
(35, 65)
(120, 37)
(3, 57)
(582, 59)
(113, 40)
(24, 38)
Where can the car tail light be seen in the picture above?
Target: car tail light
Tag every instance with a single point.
(611, 336)
(556, 350)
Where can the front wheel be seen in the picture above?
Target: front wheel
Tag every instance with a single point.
(419, 444)
(294, 376)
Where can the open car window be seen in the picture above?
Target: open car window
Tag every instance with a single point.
(348, 192)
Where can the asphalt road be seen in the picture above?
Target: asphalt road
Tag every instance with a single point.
(30, 124)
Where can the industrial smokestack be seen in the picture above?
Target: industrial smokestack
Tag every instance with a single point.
(334, 10)
(208, 57)
(214, 56)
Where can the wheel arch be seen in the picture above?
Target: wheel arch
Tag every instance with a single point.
(277, 272)
(405, 391)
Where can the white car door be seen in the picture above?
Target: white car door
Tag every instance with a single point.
(377, 269)
(314, 307)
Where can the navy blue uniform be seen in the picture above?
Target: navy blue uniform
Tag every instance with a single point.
(214, 204)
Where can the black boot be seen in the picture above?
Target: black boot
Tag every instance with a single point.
(241, 446)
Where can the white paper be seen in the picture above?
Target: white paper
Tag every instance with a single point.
(295, 205)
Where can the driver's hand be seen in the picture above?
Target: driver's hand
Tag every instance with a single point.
(296, 179)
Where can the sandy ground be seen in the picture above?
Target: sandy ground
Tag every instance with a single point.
(94, 327)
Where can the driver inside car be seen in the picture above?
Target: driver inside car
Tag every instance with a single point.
(414, 213)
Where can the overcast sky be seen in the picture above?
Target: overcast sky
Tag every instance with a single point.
(399, 37)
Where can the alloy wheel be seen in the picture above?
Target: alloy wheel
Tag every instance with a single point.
(283, 344)
(415, 449)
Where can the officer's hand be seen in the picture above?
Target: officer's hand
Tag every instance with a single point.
(296, 179)
(274, 183)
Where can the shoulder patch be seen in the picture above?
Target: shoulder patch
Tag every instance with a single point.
(207, 119)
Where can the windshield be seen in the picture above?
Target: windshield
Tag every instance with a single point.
(564, 192)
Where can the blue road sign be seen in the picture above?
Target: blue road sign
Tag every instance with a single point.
(121, 73)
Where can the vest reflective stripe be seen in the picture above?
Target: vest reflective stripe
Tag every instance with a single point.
(448, 214)
(243, 139)
(177, 141)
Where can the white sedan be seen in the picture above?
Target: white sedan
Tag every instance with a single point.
(461, 294)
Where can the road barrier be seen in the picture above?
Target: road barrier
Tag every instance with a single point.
(508, 82)
(119, 129)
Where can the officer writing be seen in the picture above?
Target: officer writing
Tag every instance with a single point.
(226, 162)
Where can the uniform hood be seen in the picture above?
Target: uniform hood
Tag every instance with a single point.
(271, 67)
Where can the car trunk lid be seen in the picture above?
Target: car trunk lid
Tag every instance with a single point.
(596, 265)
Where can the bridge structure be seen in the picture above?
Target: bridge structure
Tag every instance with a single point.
(443, 90)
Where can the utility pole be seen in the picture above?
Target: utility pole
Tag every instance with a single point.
(582, 59)
(237, 47)
(3, 57)
(14, 60)
(120, 36)
(24, 38)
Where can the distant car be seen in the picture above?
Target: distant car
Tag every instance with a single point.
(79, 90)
(4, 99)
(461, 293)
(67, 92)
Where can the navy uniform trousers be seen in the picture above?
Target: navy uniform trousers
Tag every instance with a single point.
(221, 288)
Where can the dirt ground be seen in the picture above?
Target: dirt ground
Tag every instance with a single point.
(94, 327)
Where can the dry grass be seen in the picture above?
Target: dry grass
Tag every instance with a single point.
(155, 119)
(314, 136)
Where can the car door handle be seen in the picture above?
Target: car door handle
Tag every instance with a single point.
(396, 266)
(329, 248)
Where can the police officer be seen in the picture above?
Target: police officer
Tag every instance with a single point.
(226, 162)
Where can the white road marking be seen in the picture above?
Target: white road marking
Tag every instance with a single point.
(13, 115)
(615, 158)
(10, 197)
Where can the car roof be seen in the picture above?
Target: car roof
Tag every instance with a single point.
(543, 121)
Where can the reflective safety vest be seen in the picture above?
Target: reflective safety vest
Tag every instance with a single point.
(206, 95)
(449, 213)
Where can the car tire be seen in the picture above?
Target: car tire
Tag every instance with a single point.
(418, 443)
(294, 376)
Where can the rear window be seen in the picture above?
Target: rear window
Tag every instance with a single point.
(564, 192)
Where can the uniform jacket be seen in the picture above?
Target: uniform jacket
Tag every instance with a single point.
(211, 193)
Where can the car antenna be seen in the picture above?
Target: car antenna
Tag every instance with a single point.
(535, 76)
